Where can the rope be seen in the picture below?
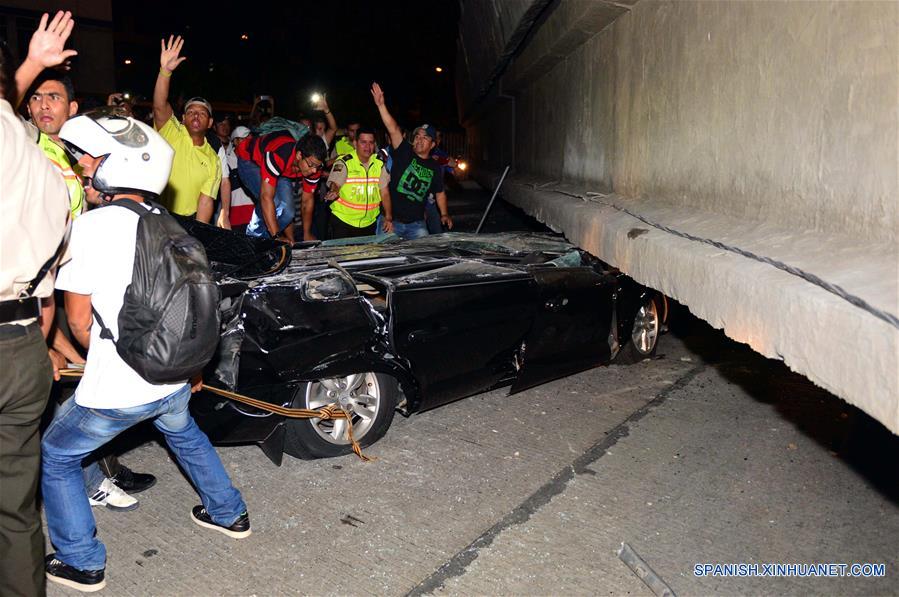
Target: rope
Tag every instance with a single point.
(325, 413)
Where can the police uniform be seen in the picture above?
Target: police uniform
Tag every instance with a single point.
(35, 205)
(358, 203)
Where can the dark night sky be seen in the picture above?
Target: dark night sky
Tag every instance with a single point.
(295, 48)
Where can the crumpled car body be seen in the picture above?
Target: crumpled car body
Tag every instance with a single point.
(444, 317)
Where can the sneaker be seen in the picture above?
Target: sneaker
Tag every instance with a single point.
(112, 497)
(131, 482)
(81, 580)
(238, 530)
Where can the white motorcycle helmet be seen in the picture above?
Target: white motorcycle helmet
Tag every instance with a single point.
(137, 160)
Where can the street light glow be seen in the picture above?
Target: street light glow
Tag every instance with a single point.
(127, 60)
(244, 37)
(438, 69)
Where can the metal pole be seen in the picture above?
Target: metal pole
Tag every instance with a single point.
(492, 199)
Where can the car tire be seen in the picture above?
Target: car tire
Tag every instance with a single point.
(643, 340)
(371, 397)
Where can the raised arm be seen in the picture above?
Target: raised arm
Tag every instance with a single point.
(45, 50)
(393, 129)
(329, 116)
(169, 59)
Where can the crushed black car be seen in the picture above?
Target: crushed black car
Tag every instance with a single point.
(404, 326)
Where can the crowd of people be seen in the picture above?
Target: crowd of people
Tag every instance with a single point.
(344, 186)
(66, 265)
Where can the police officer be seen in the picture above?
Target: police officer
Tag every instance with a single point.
(35, 208)
(357, 183)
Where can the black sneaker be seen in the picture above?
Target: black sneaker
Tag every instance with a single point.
(87, 581)
(238, 530)
(132, 482)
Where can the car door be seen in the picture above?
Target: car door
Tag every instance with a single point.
(460, 325)
(571, 326)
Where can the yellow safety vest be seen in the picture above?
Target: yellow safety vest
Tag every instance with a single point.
(60, 160)
(359, 200)
(344, 147)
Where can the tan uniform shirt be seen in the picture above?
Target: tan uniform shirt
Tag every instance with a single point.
(338, 174)
(34, 204)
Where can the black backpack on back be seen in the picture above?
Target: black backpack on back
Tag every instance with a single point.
(169, 321)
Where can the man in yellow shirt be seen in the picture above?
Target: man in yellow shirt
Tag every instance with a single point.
(196, 170)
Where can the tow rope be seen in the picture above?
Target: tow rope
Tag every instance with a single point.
(330, 412)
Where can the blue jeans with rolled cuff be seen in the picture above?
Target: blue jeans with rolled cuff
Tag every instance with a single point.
(76, 431)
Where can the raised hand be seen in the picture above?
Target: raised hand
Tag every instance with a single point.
(47, 45)
(322, 103)
(169, 56)
(377, 94)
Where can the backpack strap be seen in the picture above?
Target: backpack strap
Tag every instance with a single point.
(134, 206)
(105, 332)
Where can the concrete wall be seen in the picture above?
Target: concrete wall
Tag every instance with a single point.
(784, 110)
(772, 125)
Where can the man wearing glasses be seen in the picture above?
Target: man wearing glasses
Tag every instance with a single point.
(266, 165)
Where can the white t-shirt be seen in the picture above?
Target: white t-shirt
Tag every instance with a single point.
(241, 205)
(102, 260)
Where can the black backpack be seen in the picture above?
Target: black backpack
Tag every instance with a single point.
(169, 321)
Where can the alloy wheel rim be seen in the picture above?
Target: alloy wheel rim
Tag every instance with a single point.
(359, 394)
(646, 327)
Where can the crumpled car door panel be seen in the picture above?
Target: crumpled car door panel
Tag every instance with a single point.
(571, 328)
(459, 327)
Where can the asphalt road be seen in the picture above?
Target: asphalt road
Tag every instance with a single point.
(708, 453)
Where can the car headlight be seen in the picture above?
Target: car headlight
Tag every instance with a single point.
(328, 286)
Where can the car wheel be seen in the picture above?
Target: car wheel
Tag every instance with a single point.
(644, 336)
(371, 398)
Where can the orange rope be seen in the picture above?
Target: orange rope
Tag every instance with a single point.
(325, 413)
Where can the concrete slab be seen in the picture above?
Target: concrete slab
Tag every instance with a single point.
(746, 487)
(705, 454)
(840, 330)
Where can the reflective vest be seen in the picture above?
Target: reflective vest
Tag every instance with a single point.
(60, 160)
(344, 146)
(359, 200)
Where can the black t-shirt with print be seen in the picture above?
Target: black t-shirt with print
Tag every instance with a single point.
(411, 179)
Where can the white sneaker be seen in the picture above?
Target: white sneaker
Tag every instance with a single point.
(112, 497)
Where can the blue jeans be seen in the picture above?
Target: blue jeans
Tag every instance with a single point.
(77, 431)
(285, 209)
(411, 230)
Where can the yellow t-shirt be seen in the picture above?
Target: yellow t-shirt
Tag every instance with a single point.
(195, 170)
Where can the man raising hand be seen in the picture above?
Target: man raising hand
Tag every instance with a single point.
(196, 171)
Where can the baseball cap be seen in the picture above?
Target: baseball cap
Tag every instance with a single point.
(428, 129)
(240, 132)
(198, 100)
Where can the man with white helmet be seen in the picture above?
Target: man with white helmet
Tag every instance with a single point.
(121, 158)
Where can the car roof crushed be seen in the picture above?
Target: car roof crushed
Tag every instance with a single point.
(235, 257)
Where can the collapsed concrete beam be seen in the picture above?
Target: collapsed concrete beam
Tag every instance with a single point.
(846, 349)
